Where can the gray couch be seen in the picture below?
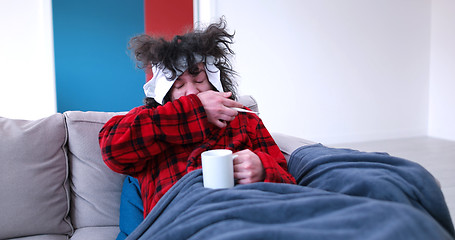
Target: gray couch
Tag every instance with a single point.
(54, 184)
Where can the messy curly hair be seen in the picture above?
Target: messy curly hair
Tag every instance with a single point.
(213, 41)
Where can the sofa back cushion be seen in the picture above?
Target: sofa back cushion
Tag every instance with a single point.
(33, 177)
(95, 188)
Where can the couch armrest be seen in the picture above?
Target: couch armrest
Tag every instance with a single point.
(288, 143)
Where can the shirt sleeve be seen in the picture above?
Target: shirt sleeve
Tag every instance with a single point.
(275, 165)
(127, 142)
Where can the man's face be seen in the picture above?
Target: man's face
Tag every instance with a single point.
(187, 83)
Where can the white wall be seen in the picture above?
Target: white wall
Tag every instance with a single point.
(27, 81)
(442, 77)
(334, 71)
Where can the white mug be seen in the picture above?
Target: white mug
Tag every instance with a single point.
(218, 168)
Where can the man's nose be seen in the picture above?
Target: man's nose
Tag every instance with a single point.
(191, 89)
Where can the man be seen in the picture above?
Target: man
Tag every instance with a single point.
(188, 110)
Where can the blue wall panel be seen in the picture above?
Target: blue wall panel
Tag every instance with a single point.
(94, 70)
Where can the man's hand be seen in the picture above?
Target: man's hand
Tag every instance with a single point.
(218, 105)
(248, 167)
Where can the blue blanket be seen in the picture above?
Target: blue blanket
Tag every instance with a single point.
(341, 194)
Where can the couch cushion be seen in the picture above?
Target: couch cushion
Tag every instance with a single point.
(248, 101)
(33, 177)
(95, 233)
(288, 144)
(43, 237)
(95, 188)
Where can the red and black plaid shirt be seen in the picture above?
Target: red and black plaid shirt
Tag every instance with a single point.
(158, 146)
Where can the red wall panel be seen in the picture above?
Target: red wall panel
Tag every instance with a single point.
(168, 18)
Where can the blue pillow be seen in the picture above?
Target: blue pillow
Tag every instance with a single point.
(131, 208)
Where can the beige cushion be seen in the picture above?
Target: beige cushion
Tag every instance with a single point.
(96, 189)
(33, 177)
(43, 237)
(248, 101)
(96, 233)
(288, 143)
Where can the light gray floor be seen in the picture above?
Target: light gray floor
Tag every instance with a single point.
(436, 155)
